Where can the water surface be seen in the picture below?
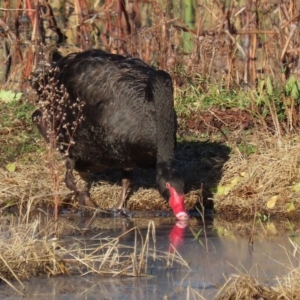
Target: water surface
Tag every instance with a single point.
(268, 258)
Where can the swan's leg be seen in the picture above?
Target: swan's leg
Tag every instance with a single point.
(83, 196)
(126, 181)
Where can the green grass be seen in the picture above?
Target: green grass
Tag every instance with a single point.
(271, 103)
(192, 99)
(18, 135)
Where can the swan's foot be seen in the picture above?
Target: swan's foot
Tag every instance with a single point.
(120, 213)
(85, 200)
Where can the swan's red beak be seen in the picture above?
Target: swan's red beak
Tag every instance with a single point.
(177, 204)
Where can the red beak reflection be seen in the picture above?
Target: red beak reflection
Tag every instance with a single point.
(176, 235)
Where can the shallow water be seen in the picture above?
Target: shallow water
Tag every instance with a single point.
(226, 255)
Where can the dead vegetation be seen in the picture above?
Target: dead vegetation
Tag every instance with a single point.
(26, 251)
(247, 287)
(29, 186)
(229, 42)
(264, 182)
(243, 45)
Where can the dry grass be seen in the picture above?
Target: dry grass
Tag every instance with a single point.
(31, 180)
(31, 183)
(27, 251)
(246, 286)
(266, 181)
(243, 287)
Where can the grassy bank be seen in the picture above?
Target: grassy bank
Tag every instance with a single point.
(235, 71)
(241, 157)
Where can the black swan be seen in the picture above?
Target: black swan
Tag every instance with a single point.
(128, 121)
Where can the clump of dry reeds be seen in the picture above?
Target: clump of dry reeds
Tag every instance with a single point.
(24, 254)
(235, 42)
(245, 286)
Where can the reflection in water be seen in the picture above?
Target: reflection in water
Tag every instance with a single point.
(227, 255)
(177, 234)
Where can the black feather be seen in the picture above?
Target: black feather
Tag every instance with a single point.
(129, 117)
